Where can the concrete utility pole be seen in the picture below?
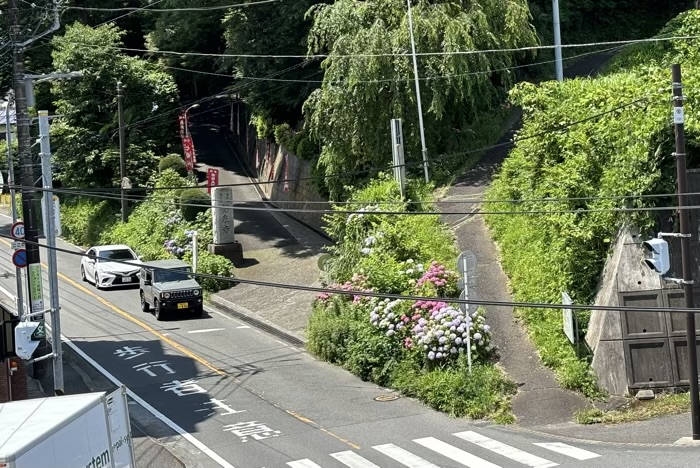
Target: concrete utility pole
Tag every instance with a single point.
(686, 254)
(50, 232)
(420, 109)
(122, 152)
(35, 290)
(13, 200)
(557, 41)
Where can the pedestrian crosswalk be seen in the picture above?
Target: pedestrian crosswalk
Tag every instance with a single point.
(469, 448)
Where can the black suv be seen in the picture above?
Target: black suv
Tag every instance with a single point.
(166, 286)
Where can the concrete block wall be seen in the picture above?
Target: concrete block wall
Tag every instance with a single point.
(271, 162)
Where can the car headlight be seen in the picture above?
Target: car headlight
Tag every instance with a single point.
(196, 292)
(166, 295)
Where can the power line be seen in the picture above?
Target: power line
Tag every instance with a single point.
(170, 10)
(399, 54)
(537, 305)
(392, 80)
(443, 157)
(105, 196)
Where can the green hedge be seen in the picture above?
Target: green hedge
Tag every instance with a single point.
(173, 162)
(194, 201)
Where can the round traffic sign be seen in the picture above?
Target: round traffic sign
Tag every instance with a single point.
(17, 230)
(19, 258)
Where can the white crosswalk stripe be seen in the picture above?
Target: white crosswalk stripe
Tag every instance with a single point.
(403, 456)
(568, 450)
(353, 460)
(501, 454)
(305, 463)
(458, 455)
(505, 450)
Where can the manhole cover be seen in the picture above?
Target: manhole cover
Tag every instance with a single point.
(386, 398)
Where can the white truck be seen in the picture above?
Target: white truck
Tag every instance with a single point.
(90, 430)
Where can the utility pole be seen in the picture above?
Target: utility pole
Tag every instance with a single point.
(13, 200)
(27, 178)
(686, 254)
(557, 41)
(50, 232)
(35, 289)
(122, 152)
(420, 109)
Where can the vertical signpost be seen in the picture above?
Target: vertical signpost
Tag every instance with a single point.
(212, 178)
(466, 264)
(397, 155)
(569, 319)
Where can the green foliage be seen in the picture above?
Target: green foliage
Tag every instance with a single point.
(83, 220)
(211, 264)
(193, 201)
(152, 222)
(377, 339)
(187, 31)
(174, 162)
(86, 147)
(589, 166)
(397, 238)
(279, 28)
(351, 111)
(484, 394)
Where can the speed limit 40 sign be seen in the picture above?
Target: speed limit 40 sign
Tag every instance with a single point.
(17, 230)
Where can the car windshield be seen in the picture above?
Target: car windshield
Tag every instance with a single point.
(117, 254)
(180, 274)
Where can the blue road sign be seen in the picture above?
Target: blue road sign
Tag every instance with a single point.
(19, 258)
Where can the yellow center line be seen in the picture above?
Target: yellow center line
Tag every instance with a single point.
(187, 352)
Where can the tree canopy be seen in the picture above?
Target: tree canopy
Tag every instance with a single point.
(368, 77)
(275, 88)
(86, 136)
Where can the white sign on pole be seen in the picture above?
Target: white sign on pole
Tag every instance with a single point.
(470, 258)
(569, 327)
(120, 427)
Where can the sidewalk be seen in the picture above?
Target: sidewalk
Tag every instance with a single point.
(276, 248)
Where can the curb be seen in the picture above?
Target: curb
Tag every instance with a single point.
(535, 432)
(227, 307)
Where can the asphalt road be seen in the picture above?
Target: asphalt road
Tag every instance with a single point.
(243, 398)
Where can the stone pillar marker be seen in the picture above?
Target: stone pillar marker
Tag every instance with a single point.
(225, 243)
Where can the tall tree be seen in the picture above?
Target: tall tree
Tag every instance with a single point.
(368, 76)
(192, 31)
(85, 139)
(275, 88)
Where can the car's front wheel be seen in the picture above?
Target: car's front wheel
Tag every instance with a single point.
(82, 273)
(199, 311)
(145, 306)
(97, 281)
(158, 310)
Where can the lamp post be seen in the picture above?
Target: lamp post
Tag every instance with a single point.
(187, 120)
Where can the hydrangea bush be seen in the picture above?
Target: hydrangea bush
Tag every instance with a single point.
(415, 346)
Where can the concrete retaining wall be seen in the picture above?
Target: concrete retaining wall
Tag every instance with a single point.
(270, 165)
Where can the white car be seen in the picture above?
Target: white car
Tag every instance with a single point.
(107, 269)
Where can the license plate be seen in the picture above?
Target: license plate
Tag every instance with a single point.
(126, 279)
(182, 305)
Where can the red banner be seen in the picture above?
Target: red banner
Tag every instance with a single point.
(212, 178)
(188, 149)
(182, 119)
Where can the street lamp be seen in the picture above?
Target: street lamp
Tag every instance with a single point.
(230, 97)
(187, 122)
